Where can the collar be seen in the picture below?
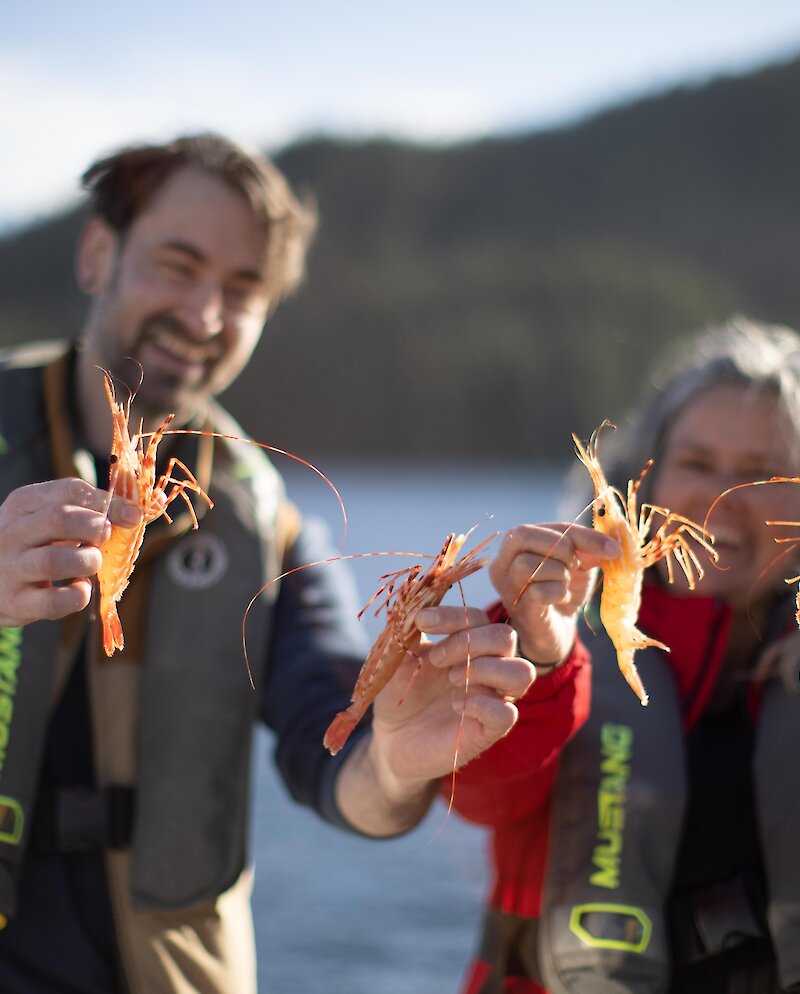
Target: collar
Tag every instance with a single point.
(696, 629)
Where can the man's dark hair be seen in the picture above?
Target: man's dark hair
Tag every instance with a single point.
(120, 186)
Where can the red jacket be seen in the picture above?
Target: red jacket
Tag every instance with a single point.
(508, 787)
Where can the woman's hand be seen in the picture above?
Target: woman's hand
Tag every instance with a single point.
(544, 574)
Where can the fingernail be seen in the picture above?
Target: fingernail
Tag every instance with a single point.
(428, 617)
(611, 546)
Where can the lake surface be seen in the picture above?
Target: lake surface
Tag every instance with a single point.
(336, 913)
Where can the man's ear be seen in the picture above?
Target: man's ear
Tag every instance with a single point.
(95, 256)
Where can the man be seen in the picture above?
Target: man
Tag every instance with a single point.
(124, 781)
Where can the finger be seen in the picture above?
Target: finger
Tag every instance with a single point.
(595, 553)
(59, 562)
(559, 541)
(444, 620)
(62, 522)
(508, 676)
(545, 592)
(52, 603)
(541, 541)
(70, 490)
(123, 512)
(496, 716)
(589, 541)
(487, 640)
(528, 570)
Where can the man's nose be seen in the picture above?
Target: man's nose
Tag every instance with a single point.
(204, 312)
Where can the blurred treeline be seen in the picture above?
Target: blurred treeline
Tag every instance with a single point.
(484, 299)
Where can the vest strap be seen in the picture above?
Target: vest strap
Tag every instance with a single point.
(81, 819)
(714, 919)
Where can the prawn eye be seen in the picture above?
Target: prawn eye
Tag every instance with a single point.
(112, 459)
(601, 511)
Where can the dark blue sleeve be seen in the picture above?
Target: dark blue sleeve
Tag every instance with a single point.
(317, 649)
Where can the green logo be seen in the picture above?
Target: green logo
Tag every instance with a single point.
(10, 659)
(632, 924)
(616, 742)
(3, 446)
(12, 820)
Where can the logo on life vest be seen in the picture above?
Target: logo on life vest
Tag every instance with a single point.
(10, 659)
(616, 744)
(199, 561)
(612, 926)
(12, 821)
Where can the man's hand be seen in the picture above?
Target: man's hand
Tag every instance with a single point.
(448, 702)
(50, 535)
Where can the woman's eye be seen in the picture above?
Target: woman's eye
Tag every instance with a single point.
(757, 473)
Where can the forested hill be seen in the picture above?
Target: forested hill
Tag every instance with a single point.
(485, 299)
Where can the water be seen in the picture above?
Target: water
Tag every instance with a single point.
(346, 915)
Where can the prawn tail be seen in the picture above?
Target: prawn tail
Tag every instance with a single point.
(339, 730)
(112, 631)
(627, 668)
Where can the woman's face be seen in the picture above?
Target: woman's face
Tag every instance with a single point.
(726, 436)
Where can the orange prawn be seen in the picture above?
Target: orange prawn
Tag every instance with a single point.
(619, 517)
(404, 593)
(133, 476)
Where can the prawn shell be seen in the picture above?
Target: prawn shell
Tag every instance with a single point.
(400, 634)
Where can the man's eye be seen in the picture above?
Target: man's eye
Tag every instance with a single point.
(176, 269)
(239, 294)
(243, 297)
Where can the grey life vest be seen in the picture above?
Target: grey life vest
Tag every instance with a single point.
(616, 822)
(174, 710)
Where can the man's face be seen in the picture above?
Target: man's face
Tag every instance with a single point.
(181, 293)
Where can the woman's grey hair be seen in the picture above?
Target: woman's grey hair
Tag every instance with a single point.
(761, 357)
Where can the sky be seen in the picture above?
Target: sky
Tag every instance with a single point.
(80, 79)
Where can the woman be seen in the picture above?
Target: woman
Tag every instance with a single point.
(655, 849)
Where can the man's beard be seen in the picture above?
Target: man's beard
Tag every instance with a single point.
(156, 391)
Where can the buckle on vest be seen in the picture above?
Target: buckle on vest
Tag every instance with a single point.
(724, 916)
(81, 819)
(715, 919)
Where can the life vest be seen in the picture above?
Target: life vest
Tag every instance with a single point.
(173, 712)
(617, 812)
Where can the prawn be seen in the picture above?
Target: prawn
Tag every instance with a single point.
(619, 517)
(791, 524)
(404, 593)
(133, 476)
